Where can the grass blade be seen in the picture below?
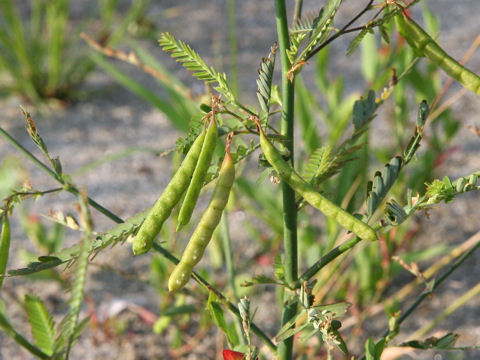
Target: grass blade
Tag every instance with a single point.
(4, 246)
(180, 122)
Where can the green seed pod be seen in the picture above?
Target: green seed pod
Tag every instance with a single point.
(311, 196)
(424, 45)
(172, 194)
(204, 231)
(199, 175)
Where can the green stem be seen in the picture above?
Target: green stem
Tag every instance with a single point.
(324, 260)
(285, 348)
(437, 283)
(341, 31)
(47, 170)
(462, 300)
(256, 330)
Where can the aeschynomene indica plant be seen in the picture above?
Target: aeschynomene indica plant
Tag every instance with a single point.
(270, 128)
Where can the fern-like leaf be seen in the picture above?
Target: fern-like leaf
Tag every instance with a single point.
(380, 22)
(184, 54)
(41, 322)
(321, 30)
(319, 161)
(264, 83)
(67, 330)
(383, 181)
(300, 31)
(307, 23)
(324, 162)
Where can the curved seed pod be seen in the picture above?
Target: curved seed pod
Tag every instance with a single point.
(209, 221)
(426, 46)
(162, 209)
(313, 197)
(199, 175)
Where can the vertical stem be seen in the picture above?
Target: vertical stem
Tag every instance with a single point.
(289, 208)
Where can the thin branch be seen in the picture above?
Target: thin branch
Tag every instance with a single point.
(200, 280)
(48, 171)
(437, 283)
(157, 247)
(342, 30)
(324, 260)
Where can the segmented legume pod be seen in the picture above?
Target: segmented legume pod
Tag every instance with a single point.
(172, 194)
(209, 221)
(424, 45)
(311, 196)
(198, 178)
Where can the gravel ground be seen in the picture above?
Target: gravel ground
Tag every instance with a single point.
(112, 120)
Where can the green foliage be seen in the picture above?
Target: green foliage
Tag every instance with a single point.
(337, 139)
(184, 54)
(321, 29)
(41, 322)
(445, 190)
(264, 83)
(8, 328)
(42, 56)
(5, 238)
(69, 329)
(373, 351)
(445, 342)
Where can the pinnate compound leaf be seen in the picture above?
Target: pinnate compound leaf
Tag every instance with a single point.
(41, 322)
(264, 83)
(43, 263)
(322, 28)
(325, 162)
(357, 40)
(219, 317)
(184, 54)
(68, 329)
(445, 342)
